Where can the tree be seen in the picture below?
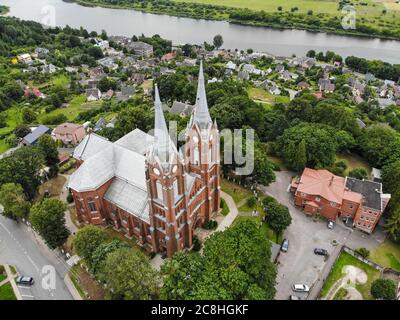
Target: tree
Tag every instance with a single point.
(301, 159)
(358, 173)
(129, 276)
(13, 199)
(28, 116)
(311, 53)
(48, 147)
(23, 167)
(392, 225)
(22, 130)
(263, 168)
(48, 218)
(363, 252)
(100, 254)
(218, 41)
(391, 177)
(235, 265)
(277, 216)
(87, 240)
(11, 140)
(384, 289)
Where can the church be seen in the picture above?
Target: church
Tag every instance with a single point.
(146, 188)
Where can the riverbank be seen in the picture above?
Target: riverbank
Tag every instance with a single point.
(388, 29)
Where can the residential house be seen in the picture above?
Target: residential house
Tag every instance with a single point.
(24, 58)
(231, 66)
(325, 85)
(141, 48)
(97, 73)
(108, 62)
(243, 75)
(302, 85)
(49, 68)
(168, 56)
(69, 133)
(41, 53)
(32, 138)
(181, 108)
(93, 94)
(108, 95)
(138, 78)
(320, 192)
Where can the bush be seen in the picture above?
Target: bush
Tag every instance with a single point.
(196, 243)
(363, 252)
(70, 198)
(358, 173)
(210, 225)
(383, 289)
(251, 202)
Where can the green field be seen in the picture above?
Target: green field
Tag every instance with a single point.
(387, 255)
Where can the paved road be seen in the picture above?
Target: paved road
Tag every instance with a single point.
(20, 247)
(300, 264)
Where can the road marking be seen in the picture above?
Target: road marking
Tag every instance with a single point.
(27, 296)
(33, 263)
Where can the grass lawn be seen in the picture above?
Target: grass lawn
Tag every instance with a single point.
(2, 277)
(265, 96)
(336, 274)
(6, 292)
(60, 80)
(224, 208)
(76, 105)
(387, 255)
(341, 294)
(237, 192)
(354, 161)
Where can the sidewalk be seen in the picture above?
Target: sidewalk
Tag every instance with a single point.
(10, 278)
(63, 197)
(233, 212)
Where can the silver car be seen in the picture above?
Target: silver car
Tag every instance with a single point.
(300, 288)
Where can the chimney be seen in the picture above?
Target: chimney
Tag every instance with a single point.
(330, 183)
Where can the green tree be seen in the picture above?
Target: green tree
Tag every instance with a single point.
(392, 225)
(391, 177)
(28, 116)
(277, 217)
(99, 257)
(301, 159)
(358, 173)
(87, 240)
(129, 276)
(48, 218)
(11, 140)
(263, 168)
(13, 199)
(22, 130)
(218, 41)
(48, 146)
(384, 289)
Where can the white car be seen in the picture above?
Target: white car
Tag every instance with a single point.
(330, 224)
(300, 288)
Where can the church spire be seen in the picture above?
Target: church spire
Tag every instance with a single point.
(161, 136)
(201, 113)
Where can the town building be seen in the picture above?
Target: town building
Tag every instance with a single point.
(141, 48)
(143, 186)
(32, 138)
(69, 133)
(322, 192)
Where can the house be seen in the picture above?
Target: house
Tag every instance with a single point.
(93, 94)
(102, 44)
(24, 58)
(369, 77)
(100, 124)
(97, 73)
(108, 95)
(182, 109)
(49, 68)
(279, 68)
(168, 56)
(243, 75)
(325, 85)
(285, 75)
(108, 62)
(231, 66)
(275, 90)
(140, 48)
(128, 91)
(302, 85)
(69, 133)
(31, 138)
(142, 186)
(385, 102)
(320, 192)
(121, 40)
(138, 78)
(41, 53)
(358, 100)
(35, 92)
(376, 175)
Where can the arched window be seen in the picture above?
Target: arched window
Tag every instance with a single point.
(196, 156)
(92, 205)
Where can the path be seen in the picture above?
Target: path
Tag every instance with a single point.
(233, 212)
(63, 197)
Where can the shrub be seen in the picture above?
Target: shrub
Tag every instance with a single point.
(383, 289)
(210, 225)
(196, 243)
(358, 173)
(363, 252)
(70, 198)
(251, 202)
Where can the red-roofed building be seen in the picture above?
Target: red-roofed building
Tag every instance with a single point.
(322, 192)
(169, 56)
(69, 133)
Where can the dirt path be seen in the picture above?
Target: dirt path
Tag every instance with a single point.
(352, 276)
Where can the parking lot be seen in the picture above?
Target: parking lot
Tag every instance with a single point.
(300, 264)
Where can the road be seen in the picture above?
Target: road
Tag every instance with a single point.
(19, 246)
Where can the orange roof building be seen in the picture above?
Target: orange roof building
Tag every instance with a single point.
(332, 196)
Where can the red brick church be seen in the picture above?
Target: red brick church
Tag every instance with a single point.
(146, 188)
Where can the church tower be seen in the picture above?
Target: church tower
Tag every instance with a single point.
(166, 185)
(202, 150)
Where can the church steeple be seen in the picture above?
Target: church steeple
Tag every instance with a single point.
(162, 143)
(201, 113)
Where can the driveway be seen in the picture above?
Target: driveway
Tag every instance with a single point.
(300, 264)
(20, 247)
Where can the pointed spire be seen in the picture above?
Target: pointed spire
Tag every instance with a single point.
(201, 113)
(161, 136)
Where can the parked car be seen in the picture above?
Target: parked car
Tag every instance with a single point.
(25, 280)
(293, 297)
(320, 252)
(300, 288)
(285, 245)
(330, 224)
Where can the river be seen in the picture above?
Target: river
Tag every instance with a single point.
(186, 30)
